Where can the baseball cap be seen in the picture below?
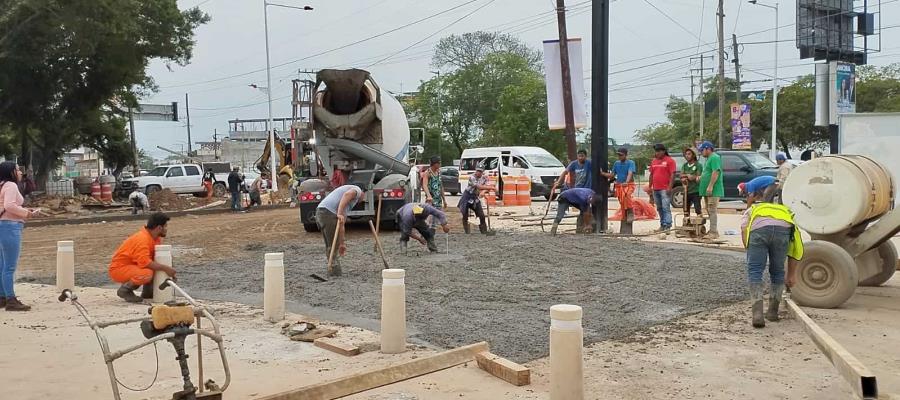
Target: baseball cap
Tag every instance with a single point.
(479, 168)
(622, 150)
(759, 183)
(781, 156)
(706, 145)
(435, 159)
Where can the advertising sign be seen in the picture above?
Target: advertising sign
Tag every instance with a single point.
(740, 127)
(556, 116)
(842, 96)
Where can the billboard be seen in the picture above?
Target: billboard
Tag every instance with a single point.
(740, 127)
(844, 95)
(556, 115)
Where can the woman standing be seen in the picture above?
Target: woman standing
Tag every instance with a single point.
(431, 181)
(769, 233)
(12, 219)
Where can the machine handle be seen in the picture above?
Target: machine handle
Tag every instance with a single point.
(66, 294)
(164, 285)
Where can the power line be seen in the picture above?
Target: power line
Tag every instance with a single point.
(672, 19)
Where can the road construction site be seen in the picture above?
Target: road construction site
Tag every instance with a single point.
(661, 319)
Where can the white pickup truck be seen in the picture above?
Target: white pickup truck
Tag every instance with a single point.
(179, 178)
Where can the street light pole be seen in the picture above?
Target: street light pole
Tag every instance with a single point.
(269, 124)
(772, 144)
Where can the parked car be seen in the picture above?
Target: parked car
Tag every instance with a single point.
(179, 178)
(450, 180)
(737, 166)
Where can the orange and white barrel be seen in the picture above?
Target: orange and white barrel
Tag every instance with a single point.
(106, 190)
(491, 196)
(510, 191)
(96, 192)
(523, 191)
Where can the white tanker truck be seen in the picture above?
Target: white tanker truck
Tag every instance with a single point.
(360, 136)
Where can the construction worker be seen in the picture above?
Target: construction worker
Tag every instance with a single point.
(690, 179)
(133, 265)
(470, 199)
(139, 201)
(712, 187)
(414, 215)
(256, 188)
(235, 179)
(209, 181)
(431, 183)
(581, 198)
(784, 170)
(331, 215)
(769, 233)
(662, 172)
(414, 181)
(623, 171)
(577, 174)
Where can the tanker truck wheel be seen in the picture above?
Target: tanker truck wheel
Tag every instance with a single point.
(827, 276)
(887, 260)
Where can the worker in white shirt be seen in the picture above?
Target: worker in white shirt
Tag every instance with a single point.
(139, 201)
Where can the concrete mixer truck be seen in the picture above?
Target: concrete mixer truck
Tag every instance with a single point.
(360, 136)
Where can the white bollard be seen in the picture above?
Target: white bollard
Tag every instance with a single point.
(65, 265)
(163, 256)
(566, 361)
(393, 311)
(273, 287)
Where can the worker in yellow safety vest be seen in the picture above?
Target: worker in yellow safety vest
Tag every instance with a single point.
(768, 232)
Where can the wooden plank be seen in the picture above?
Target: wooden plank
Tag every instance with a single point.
(860, 378)
(363, 381)
(504, 369)
(337, 347)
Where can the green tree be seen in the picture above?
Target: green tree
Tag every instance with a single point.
(520, 119)
(69, 70)
(877, 88)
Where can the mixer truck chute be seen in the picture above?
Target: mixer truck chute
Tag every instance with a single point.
(361, 136)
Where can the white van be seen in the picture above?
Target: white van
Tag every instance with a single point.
(534, 162)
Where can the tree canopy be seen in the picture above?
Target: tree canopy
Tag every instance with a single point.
(70, 70)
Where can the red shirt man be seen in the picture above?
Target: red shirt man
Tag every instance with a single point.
(662, 169)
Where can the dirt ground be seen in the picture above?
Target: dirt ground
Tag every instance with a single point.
(499, 292)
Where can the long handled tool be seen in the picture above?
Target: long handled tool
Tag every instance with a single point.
(378, 220)
(549, 201)
(490, 231)
(334, 246)
(378, 245)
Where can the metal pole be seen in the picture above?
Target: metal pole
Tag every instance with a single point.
(702, 102)
(216, 143)
(137, 159)
(566, 80)
(772, 151)
(693, 102)
(187, 109)
(269, 123)
(737, 68)
(600, 109)
(721, 111)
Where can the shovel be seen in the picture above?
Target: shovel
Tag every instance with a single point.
(547, 209)
(490, 232)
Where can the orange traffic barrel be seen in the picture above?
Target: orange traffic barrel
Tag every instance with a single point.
(510, 191)
(523, 191)
(106, 190)
(491, 196)
(96, 192)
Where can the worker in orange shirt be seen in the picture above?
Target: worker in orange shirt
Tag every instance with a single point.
(133, 266)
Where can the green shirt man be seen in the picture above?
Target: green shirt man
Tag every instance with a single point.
(713, 163)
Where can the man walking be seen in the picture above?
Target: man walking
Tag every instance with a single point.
(256, 189)
(470, 199)
(133, 265)
(662, 170)
(331, 214)
(712, 187)
(581, 198)
(414, 216)
(234, 187)
(578, 173)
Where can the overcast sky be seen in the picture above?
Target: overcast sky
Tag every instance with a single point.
(230, 51)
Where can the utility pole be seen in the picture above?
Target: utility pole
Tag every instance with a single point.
(702, 69)
(187, 109)
(721, 14)
(600, 109)
(216, 143)
(737, 67)
(692, 101)
(567, 81)
(137, 159)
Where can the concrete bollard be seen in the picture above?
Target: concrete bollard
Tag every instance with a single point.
(393, 311)
(65, 265)
(566, 361)
(273, 287)
(163, 256)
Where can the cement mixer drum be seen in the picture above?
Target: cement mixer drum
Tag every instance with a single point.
(832, 194)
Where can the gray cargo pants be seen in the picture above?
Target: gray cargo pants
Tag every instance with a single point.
(327, 222)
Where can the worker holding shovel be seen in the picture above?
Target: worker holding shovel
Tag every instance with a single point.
(581, 198)
(414, 216)
(331, 214)
(478, 184)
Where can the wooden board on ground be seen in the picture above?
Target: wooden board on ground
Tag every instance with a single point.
(860, 378)
(504, 369)
(337, 347)
(363, 381)
(314, 334)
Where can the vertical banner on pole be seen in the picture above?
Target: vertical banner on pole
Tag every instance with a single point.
(740, 127)
(556, 114)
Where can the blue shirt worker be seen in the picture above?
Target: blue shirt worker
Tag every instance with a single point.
(578, 173)
(331, 214)
(580, 198)
(623, 171)
(413, 216)
(470, 199)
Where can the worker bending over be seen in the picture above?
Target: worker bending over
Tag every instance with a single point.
(414, 216)
(139, 201)
(470, 199)
(581, 198)
(133, 265)
(331, 215)
(769, 233)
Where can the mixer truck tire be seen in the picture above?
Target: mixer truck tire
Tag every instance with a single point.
(887, 260)
(827, 276)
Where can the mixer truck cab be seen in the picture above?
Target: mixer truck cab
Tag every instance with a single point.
(541, 167)
(362, 138)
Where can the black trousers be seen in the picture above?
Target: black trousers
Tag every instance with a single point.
(422, 226)
(477, 208)
(694, 200)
